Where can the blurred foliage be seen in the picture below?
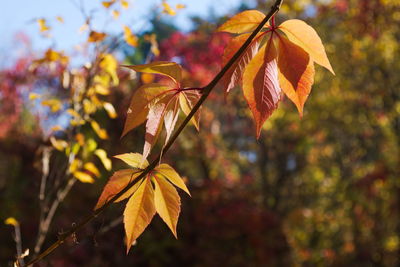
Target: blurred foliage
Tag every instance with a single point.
(318, 191)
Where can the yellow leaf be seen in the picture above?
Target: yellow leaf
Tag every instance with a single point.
(107, 4)
(116, 183)
(83, 177)
(167, 9)
(60, 145)
(80, 138)
(109, 64)
(110, 110)
(75, 165)
(169, 173)
(102, 154)
(134, 160)
(33, 96)
(60, 19)
(303, 35)
(96, 36)
(154, 45)
(167, 203)
(180, 6)
(88, 106)
(56, 128)
(102, 133)
(246, 21)
(89, 166)
(125, 4)
(43, 25)
(73, 113)
(11, 221)
(170, 69)
(115, 14)
(139, 212)
(54, 104)
(129, 37)
(139, 107)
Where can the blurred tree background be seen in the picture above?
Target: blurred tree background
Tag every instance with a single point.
(323, 190)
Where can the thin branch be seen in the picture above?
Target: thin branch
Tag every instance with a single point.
(18, 243)
(206, 91)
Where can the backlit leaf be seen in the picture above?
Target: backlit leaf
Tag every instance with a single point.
(110, 110)
(11, 221)
(234, 74)
(171, 117)
(102, 133)
(43, 27)
(260, 84)
(139, 212)
(187, 100)
(134, 160)
(116, 183)
(60, 145)
(169, 173)
(167, 9)
(96, 36)
(303, 35)
(89, 166)
(170, 69)
(167, 203)
(140, 104)
(245, 21)
(129, 37)
(296, 72)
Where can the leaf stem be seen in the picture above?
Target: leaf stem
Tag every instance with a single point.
(206, 91)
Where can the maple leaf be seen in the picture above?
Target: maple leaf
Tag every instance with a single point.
(160, 104)
(285, 63)
(144, 199)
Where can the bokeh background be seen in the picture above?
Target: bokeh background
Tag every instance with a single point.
(323, 190)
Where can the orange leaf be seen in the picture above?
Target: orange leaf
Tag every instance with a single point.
(234, 74)
(167, 203)
(303, 35)
(170, 69)
(187, 100)
(117, 182)
(140, 103)
(296, 72)
(96, 36)
(169, 173)
(245, 21)
(260, 84)
(154, 123)
(138, 212)
(129, 37)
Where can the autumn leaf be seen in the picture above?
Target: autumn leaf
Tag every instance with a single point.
(139, 212)
(116, 183)
(129, 37)
(96, 36)
(303, 35)
(160, 105)
(260, 84)
(83, 177)
(134, 160)
(245, 21)
(167, 202)
(296, 72)
(43, 27)
(284, 63)
(168, 172)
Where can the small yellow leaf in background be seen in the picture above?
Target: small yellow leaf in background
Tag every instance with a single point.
(152, 39)
(60, 145)
(115, 14)
(11, 221)
(102, 154)
(56, 128)
(83, 28)
(75, 165)
(109, 64)
(167, 9)
(83, 177)
(80, 138)
(33, 96)
(129, 37)
(89, 107)
(125, 4)
(89, 166)
(107, 4)
(60, 19)
(102, 133)
(180, 6)
(54, 104)
(110, 110)
(42, 25)
(96, 36)
(73, 113)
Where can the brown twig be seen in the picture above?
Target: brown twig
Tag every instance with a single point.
(206, 91)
